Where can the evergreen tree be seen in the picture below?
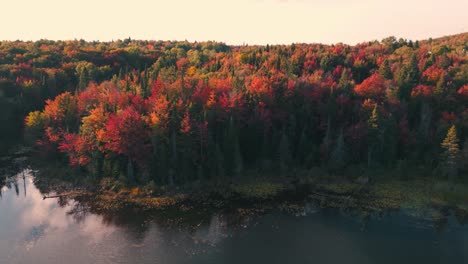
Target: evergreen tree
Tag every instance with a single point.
(338, 154)
(345, 83)
(83, 79)
(404, 85)
(440, 87)
(413, 73)
(284, 153)
(385, 70)
(450, 156)
(372, 134)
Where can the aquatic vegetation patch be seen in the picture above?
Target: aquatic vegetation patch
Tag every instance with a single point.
(258, 190)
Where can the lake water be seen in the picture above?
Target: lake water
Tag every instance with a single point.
(33, 230)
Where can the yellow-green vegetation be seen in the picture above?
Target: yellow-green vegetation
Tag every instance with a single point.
(396, 194)
(457, 196)
(422, 198)
(341, 188)
(113, 195)
(115, 201)
(258, 190)
(419, 197)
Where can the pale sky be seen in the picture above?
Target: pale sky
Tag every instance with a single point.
(232, 21)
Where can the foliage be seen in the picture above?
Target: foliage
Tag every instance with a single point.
(179, 112)
(451, 153)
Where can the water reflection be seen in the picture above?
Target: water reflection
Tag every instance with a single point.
(33, 230)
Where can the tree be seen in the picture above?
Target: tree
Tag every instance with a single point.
(404, 85)
(373, 127)
(62, 112)
(413, 71)
(85, 72)
(385, 70)
(450, 156)
(34, 123)
(373, 87)
(284, 153)
(125, 134)
(91, 128)
(439, 90)
(345, 83)
(338, 154)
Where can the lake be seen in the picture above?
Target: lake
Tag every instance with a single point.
(34, 230)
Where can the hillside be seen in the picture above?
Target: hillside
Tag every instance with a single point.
(174, 112)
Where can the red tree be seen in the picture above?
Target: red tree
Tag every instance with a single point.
(373, 87)
(126, 134)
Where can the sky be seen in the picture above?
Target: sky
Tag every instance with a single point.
(233, 21)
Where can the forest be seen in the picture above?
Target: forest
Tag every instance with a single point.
(174, 112)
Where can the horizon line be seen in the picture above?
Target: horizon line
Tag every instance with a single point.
(231, 44)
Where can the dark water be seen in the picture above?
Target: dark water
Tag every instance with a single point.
(33, 230)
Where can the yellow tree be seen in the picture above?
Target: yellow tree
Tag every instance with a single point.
(450, 156)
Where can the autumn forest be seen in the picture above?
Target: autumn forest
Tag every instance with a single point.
(177, 112)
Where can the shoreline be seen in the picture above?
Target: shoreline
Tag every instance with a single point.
(418, 198)
(380, 192)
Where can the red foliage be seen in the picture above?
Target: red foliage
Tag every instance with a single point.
(310, 65)
(337, 71)
(422, 90)
(89, 98)
(77, 148)
(182, 63)
(60, 108)
(463, 91)
(373, 87)
(433, 73)
(158, 106)
(259, 85)
(185, 124)
(125, 134)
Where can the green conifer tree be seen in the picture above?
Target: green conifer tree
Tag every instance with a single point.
(385, 70)
(338, 154)
(372, 134)
(450, 156)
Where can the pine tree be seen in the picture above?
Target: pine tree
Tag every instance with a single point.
(404, 85)
(83, 79)
(338, 154)
(450, 156)
(345, 83)
(385, 70)
(413, 72)
(284, 153)
(440, 87)
(372, 134)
